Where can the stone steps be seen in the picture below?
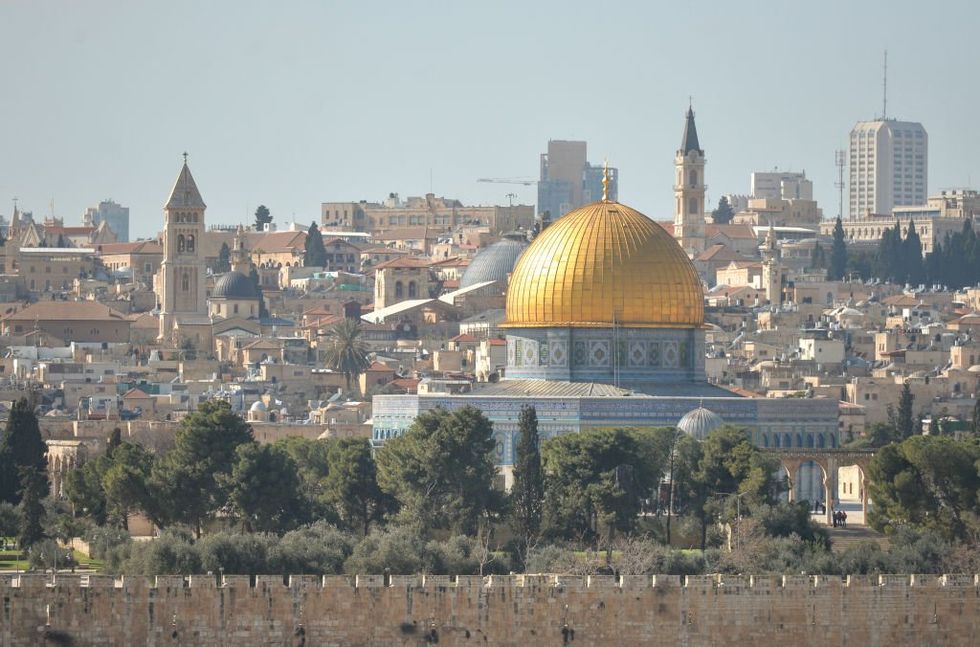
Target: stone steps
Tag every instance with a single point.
(844, 538)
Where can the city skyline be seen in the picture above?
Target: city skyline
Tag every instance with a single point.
(295, 106)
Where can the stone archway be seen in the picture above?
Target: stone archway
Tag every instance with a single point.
(830, 461)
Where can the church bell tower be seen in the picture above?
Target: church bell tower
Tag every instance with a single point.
(181, 282)
(689, 190)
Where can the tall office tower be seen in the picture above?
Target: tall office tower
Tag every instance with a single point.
(889, 166)
(560, 185)
(569, 181)
(115, 216)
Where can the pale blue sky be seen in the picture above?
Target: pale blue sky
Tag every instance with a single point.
(294, 103)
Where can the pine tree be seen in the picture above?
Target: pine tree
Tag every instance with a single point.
(20, 446)
(838, 253)
(223, 263)
(905, 421)
(314, 253)
(527, 495)
(262, 217)
(724, 213)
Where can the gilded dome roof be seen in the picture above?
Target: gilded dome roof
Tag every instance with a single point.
(605, 264)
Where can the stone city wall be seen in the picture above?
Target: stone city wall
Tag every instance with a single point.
(886, 610)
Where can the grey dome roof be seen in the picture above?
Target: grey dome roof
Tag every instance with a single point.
(699, 423)
(234, 285)
(496, 261)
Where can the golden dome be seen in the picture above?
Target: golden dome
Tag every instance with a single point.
(600, 265)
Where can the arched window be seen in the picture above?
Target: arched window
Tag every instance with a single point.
(692, 206)
(236, 308)
(821, 443)
(799, 440)
(185, 282)
(776, 439)
(399, 290)
(190, 244)
(413, 290)
(765, 440)
(809, 440)
(787, 441)
(693, 175)
(180, 243)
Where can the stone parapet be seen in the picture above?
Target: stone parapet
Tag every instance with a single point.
(499, 610)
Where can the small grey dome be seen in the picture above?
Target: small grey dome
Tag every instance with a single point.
(496, 261)
(234, 285)
(699, 423)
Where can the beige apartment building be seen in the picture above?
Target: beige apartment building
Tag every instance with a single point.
(436, 213)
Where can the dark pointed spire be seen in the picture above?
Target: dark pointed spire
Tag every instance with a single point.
(185, 192)
(690, 141)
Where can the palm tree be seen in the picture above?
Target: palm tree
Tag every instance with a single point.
(346, 352)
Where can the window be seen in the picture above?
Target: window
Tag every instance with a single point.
(180, 243)
(190, 244)
(185, 282)
(693, 175)
(412, 290)
(399, 290)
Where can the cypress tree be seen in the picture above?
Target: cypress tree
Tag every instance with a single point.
(905, 422)
(527, 494)
(314, 253)
(34, 488)
(912, 256)
(838, 253)
(21, 446)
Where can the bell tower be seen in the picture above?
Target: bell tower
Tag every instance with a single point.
(689, 190)
(181, 280)
(772, 279)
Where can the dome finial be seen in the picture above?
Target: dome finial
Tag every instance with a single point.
(605, 180)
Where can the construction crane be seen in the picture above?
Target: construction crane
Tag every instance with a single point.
(525, 181)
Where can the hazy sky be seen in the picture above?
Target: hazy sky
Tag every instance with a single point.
(294, 103)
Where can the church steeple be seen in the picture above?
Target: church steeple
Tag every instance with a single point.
(689, 142)
(180, 283)
(689, 190)
(185, 193)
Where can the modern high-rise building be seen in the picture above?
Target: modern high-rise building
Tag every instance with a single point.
(781, 185)
(116, 217)
(568, 181)
(889, 166)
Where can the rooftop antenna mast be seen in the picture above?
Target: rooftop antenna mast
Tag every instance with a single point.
(840, 161)
(884, 89)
